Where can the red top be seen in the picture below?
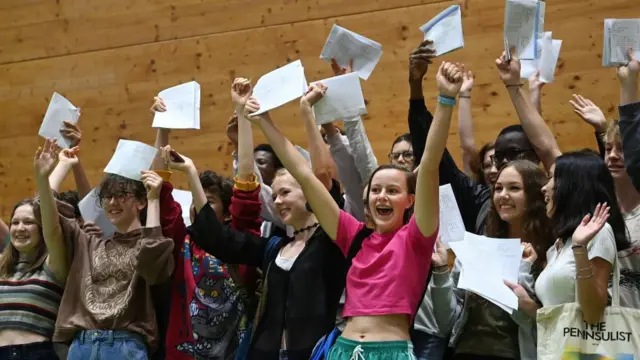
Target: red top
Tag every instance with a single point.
(208, 316)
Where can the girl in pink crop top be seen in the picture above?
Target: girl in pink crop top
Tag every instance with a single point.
(387, 277)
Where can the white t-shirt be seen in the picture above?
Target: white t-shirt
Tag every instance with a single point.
(630, 263)
(557, 283)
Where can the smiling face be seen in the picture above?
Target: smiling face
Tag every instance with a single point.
(288, 199)
(402, 154)
(388, 199)
(508, 195)
(614, 159)
(24, 230)
(122, 200)
(549, 191)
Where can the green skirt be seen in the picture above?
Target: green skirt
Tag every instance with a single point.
(345, 349)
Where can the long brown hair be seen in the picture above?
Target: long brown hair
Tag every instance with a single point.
(536, 226)
(10, 256)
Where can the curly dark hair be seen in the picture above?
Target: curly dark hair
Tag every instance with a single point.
(72, 198)
(536, 225)
(218, 185)
(116, 185)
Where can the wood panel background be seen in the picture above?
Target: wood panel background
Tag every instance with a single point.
(111, 57)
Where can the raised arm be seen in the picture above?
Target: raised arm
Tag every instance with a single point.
(162, 135)
(323, 205)
(240, 93)
(321, 162)
(449, 80)
(630, 117)
(347, 172)
(155, 260)
(534, 126)
(68, 159)
(465, 122)
(72, 132)
(58, 261)
(535, 91)
(361, 150)
(592, 115)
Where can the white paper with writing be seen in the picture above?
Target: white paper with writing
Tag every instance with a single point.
(549, 57)
(60, 109)
(620, 35)
(280, 86)
(183, 107)
(445, 30)
(523, 26)
(184, 198)
(451, 224)
(91, 210)
(344, 45)
(130, 158)
(343, 99)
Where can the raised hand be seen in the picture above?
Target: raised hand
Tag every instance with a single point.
(71, 132)
(69, 156)
(590, 225)
(449, 79)
(174, 160)
(250, 107)
(420, 59)
(44, 160)
(232, 128)
(440, 257)
(158, 105)
(629, 73)
(90, 228)
(467, 80)
(241, 90)
(589, 112)
(509, 70)
(529, 254)
(525, 303)
(153, 183)
(339, 70)
(313, 95)
(535, 84)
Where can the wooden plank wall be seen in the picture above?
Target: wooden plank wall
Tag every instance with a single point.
(111, 57)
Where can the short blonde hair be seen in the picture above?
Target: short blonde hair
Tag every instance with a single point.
(284, 172)
(612, 133)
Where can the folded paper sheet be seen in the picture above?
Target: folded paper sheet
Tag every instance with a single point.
(524, 25)
(184, 198)
(451, 225)
(486, 278)
(130, 158)
(344, 45)
(59, 110)
(183, 107)
(619, 36)
(546, 61)
(91, 210)
(280, 86)
(343, 99)
(445, 30)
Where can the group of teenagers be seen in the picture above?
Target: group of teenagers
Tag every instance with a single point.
(294, 248)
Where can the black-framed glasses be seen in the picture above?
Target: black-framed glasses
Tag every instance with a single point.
(407, 155)
(118, 195)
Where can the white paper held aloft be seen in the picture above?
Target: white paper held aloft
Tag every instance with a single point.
(183, 107)
(445, 30)
(185, 199)
(342, 100)
(524, 25)
(280, 86)
(130, 158)
(60, 109)
(344, 45)
(91, 210)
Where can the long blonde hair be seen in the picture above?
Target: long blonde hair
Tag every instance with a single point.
(10, 256)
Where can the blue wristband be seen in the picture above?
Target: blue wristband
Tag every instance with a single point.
(446, 100)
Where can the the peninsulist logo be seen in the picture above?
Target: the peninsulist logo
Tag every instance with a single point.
(597, 332)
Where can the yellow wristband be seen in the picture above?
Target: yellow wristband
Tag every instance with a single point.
(164, 174)
(246, 185)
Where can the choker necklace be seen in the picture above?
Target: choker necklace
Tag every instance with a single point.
(305, 229)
